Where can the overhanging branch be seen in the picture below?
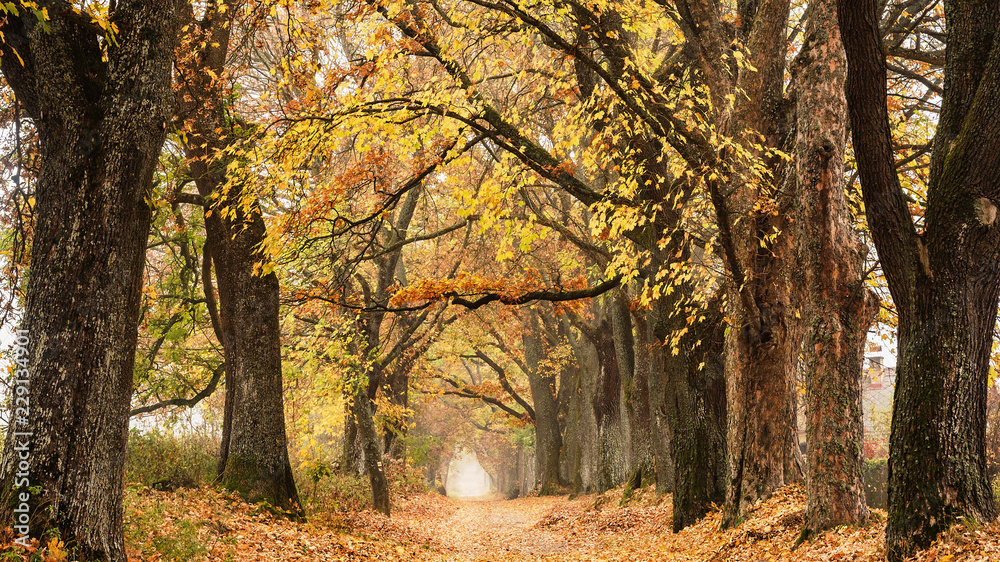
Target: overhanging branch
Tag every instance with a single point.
(184, 402)
(551, 296)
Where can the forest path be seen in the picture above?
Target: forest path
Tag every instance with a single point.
(493, 529)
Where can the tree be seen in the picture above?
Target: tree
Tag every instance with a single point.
(548, 438)
(836, 303)
(101, 106)
(254, 454)
(945, 280)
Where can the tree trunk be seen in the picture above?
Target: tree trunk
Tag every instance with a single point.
(837, 305)
(945, 282)
(695, 407)
(350, 462)
(361, 406)
(937, 454)
(585, 459)
(254, 457)
(254, 454)
(571, 424)
(100, 126)
(759, 377)
(399, 396)
(548, 441)
(661, 434)
(611, 467)
(568, 404)
(635, 398)
(764, 337)
(641, 436)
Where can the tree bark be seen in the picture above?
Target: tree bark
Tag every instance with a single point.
(945, 282)
(661, 434)
(635, 396)
(607, 400)
(837, 305)
(754, 233)
(101, 122)
(254, 454)
(695, 408)
(371, 444)
(349, 456)
(759, 375)
(548, 440)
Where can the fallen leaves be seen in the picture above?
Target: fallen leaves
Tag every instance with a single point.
(554, 528)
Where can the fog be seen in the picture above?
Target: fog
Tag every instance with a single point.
(466, 477)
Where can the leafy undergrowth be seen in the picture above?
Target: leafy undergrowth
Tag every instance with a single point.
(207, 524)
(643, 532)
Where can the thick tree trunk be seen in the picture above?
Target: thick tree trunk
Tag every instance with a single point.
(661, 434)
(695, 407)
(254, 454)
(764, 336)
(642, 460)
(937, 454)
(571, 423)
(100, 126)
(611, 444)
(586, 460)
(945, 281)
(760, 421)
(567, 401)
(254, 457)
(634, 397)
(580, 437)
(548, 441)
(837, 305)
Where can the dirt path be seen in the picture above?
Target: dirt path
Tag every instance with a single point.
(490, 529)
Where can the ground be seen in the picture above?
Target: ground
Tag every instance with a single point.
(206, 524)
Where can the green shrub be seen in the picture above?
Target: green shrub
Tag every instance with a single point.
(164, 461)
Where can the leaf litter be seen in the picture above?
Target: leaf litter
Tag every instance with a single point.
(432, 527)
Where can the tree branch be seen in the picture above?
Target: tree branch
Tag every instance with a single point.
(189, 198)
(502, 375)
(184, 402)
(551, 296)
(934, 58)
(895, 237)
(461, 391)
